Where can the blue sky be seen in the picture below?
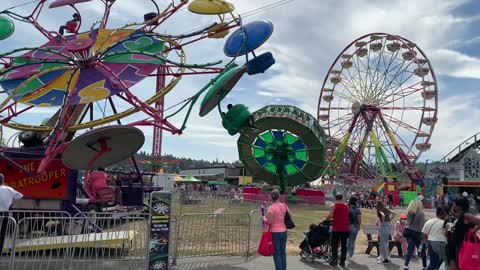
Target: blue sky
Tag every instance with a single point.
(308, 36)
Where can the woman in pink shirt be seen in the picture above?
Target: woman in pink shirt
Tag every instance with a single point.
(275, 218)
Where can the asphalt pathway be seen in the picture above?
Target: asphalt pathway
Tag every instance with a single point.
(359, 262)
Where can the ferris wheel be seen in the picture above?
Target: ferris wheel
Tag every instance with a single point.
(379, 102)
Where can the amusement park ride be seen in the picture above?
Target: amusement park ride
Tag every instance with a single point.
(89, 72)
(378, 103)
(378, 106)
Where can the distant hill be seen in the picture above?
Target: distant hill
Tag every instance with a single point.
(170, 163)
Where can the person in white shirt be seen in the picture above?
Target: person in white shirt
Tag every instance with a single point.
(436, 239)
(8, 196)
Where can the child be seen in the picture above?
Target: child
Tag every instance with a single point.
(399, 228)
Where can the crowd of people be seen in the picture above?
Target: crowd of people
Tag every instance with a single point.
(440, 237)
(205, 187)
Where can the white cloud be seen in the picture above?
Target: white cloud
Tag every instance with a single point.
(456, 64)
(458, 121)
(308, 36)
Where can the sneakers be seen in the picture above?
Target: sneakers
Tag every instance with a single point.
(386, 261)
(405, 268)
(349, 259)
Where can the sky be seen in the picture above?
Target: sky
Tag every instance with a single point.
(308, 36)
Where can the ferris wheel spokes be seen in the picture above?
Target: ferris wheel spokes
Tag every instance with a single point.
(388, 80)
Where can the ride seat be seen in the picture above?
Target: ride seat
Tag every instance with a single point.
(150, 16)
(260, 64)
(236, 118)
(72, 27)
(103, 193)
(212, 31)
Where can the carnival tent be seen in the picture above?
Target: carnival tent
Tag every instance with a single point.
(177, 178)
(191, 178)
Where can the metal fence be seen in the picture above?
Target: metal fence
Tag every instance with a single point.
(55, 240)
(186, 202)
(45, 215)
(301, 200)
(212, 235)
(256, 229)
(8, 230)
(79, 242)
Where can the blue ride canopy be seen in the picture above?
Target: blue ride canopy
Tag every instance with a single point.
(248, 38)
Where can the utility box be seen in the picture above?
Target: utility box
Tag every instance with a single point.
(164, 181)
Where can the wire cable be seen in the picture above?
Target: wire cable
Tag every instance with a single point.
(252, 12)
(21, 5)
(266, 7)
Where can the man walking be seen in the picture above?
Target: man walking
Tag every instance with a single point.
(402, 202)
(340, 229)
(390, 201)
(8, 196)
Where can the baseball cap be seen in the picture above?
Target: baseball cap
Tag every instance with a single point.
(403, 216)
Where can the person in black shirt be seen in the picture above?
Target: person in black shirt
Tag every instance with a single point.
(456, 233)
(390, 201)
(448, 225)
(355, 220)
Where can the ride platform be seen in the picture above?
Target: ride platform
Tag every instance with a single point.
(106, 240)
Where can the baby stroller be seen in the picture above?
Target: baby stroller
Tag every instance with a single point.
(316, 244)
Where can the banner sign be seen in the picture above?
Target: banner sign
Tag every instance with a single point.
(53, 184)
(160, 205)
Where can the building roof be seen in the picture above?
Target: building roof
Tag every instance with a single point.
(201, 175)
(215, 167)
(463, 184)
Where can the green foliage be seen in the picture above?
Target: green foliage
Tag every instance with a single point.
(170, 163)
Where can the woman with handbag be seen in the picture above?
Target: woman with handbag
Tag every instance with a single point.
(413, 232)
(461, 227)
(437, 241)
(275, 218)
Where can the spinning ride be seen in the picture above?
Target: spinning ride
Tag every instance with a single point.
(285, 146)
(90, 75)
(379, 100)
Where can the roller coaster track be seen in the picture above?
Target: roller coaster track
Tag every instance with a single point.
(459, 152)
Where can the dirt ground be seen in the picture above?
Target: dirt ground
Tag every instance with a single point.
(303, 217)
(196, 227)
